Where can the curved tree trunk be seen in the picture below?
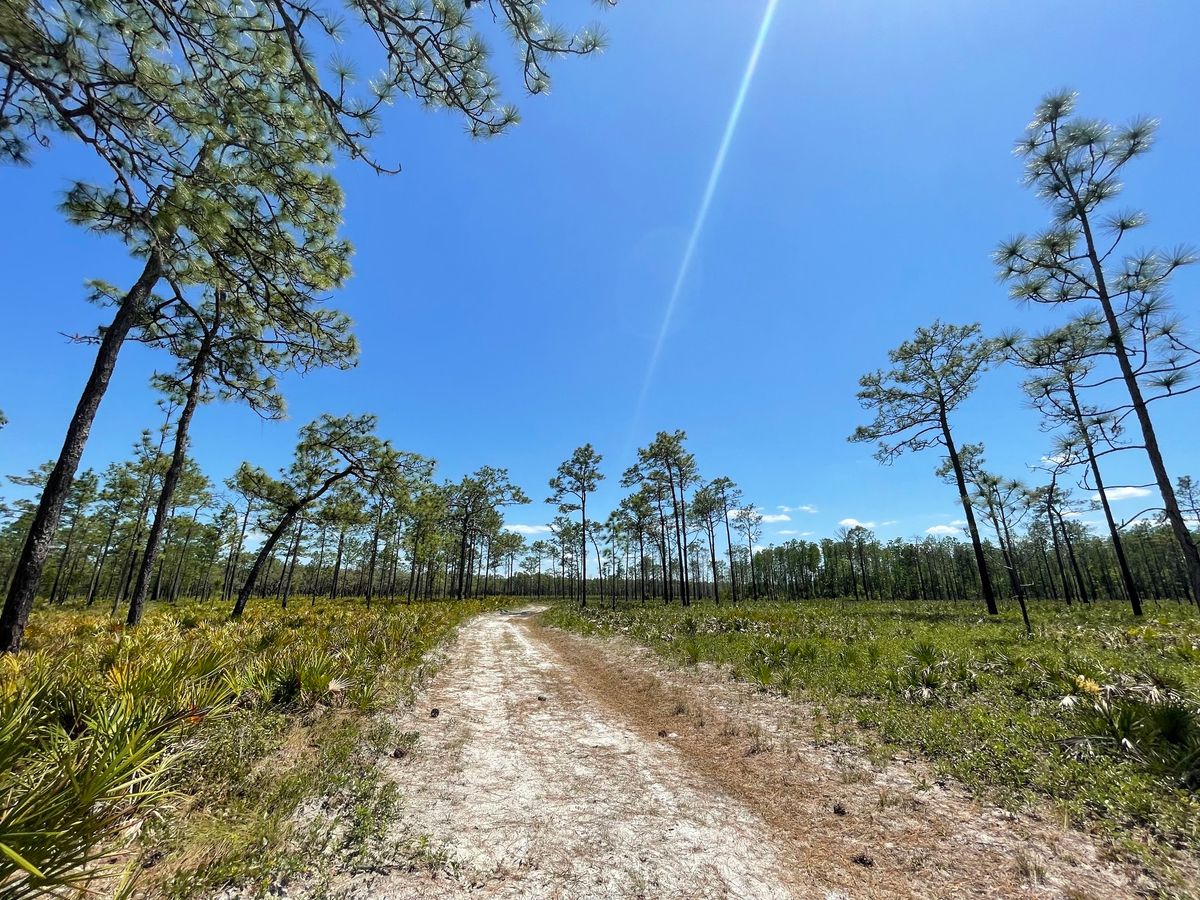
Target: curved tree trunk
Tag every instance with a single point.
(264, 553)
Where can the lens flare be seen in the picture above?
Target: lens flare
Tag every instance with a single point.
(710, 189)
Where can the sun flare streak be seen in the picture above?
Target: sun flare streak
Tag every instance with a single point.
(710, 189)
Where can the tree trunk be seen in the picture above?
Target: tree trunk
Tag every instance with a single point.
(583, 558)
(337, 565)
(287, 585)
(314, 584)
(1131, 590)
(264, 553)
(370, 591)
(729, 547)
(171, 478)
(989, 596)
(95, 582)
(1191, 554)
(42, 529)
(62, 560)
(177, 581)
(712, 553)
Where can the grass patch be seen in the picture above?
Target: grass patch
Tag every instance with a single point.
(1095, 712)
(177, 754)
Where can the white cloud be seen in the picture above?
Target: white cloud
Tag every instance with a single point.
(958, 523)
(1121, 493)
(803, 507)
(854, 523)
(792, 532)
(888, 522)
(766, 517)
(528, 529)
(942, 530)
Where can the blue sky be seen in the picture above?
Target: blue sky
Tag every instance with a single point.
(509, 294)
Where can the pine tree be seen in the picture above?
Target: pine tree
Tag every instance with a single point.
(578, 477)
(933, 373)
(1075, 165)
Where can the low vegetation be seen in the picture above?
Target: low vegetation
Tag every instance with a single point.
(180, 751)
(1094, 713)
(179, 745)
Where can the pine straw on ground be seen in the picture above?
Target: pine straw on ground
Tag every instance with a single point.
(867, 827)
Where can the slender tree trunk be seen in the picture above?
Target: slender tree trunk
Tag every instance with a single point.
(642, 563)
(681, 550)
(287, 585)
(412, 566)
(665, 550)
(95, 582)
(1006, 553)
(1013, 579)
(1131, 590)
(131, 558)
(729, 547)
(235, 556)
(712, 553)
(187, 540)
(171, 478)
(1062, 570)
(753, 572)
(462, 558)
(62, 560)
(1183, 536)
(370, 591)
(42, 529)
(989, 596)
(264, 554)
(337, 564)
(395, 565)
(1079, 582)
(583, 548)
(314, 584)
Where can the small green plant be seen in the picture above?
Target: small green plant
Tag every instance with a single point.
(1093, 715)
(1150, 720)
(199, 734)
(930, 676)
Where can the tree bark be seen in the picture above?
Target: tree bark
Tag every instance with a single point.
(42, 529)
(1131, 590)
(178, 458)
(729, 547)
(1191, 554)
(94, 584)
(989, 597)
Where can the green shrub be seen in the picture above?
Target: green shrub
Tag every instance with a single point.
(105, 729)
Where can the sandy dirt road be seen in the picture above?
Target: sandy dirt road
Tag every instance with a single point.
(561, 767)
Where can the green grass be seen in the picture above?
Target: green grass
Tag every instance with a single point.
(1095, 713)
(180, 751)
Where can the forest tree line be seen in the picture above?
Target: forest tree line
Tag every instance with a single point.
(208, 137)
(352, 517)
(215, 130)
